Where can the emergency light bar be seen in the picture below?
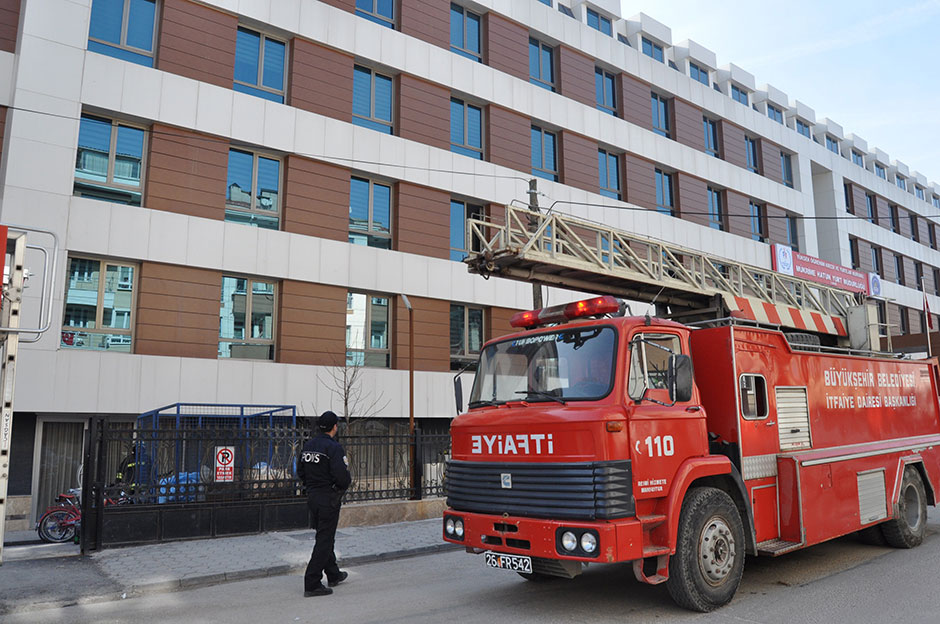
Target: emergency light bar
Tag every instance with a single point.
(566, 312)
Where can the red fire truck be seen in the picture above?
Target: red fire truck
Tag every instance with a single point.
(596, 437)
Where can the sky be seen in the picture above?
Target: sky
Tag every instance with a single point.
(871, 67)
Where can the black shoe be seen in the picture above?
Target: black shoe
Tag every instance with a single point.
(319, 591)
(339, 579)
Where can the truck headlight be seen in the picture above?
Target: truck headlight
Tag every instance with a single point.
(588, 543)
(449, 526)
(458, 528)
(568, 541)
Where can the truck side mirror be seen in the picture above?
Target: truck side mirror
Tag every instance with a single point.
(458, 394)
(679, 378)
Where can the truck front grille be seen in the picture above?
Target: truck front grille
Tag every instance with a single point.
(572, 491)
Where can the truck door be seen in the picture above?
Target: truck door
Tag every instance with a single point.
(760, 444)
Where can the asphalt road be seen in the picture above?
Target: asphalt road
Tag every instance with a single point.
(842, 581)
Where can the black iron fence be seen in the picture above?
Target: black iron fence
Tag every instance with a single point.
(153, 484)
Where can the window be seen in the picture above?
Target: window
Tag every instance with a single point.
(699, 74)
(882, 318)
(660, 109)
(607, 166)
(881, 172)
(739, 95)
(893, 215)
(541, 64)
(753, 162)
(378, 11)
(871, 215)
(544, 159)
(124, 29)
(372, 100)
(936, 201)
(99, 312)
(465, 33)
(915, 234)
(923, 323)
(565, 10)
(664, 200)
(367, 330)
(710, 128)
(466, 334)
(370, 213)
(876, 261)
(649, 358)
(251, 192)
(832, 145)
(899, 269)
(259, 65)
(605, 91)
(905, 324)
(853, 253)
(858, 159)
(246, 319)
(918, 276)
(936, 282)
(901, 182)
(716, 218)
(932, 235)
(459, 213)
(110, 160)
(793, 235)
(802, 128)
(758, 223)
(919, 192)
(786, 169)
(546, 2)
(847, 192)
(466, 129)
(753, 397)
(598, 22)
(653, 50)
(775, 113)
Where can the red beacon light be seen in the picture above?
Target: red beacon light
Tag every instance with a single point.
(566, 312)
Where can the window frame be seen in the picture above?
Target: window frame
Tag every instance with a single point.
(109, 184)
(249, 304)
(877, 267)
(786, 169)
(375, 17)
(604, 24)
(602, 78)
(613, 192)
(915, 231)
(466, 213)
(372, 122)
(542, 171)
(739, 95)
(919, 192)
(123, 46)
(775, 113)
(663, 181)
(465, 148)
(932, 235)
(872, 216)
(370, 232)
(465, 15)
(253, 197)
(832, 144)
(99, 328)
(919, 275)
(793, 233)
(652, 49)
(259, 86)
(894, 220)
(757, 402)
(715, 210)
(752, 155)
(900, 181)
(757, 214)
(802, 128)
(853, 253)
(881, 171)
(542, 47)
(659, 112)
(710, 130)
(367, 325)
(461, 359)
(696, 73)
(899, 270)
(858, 159)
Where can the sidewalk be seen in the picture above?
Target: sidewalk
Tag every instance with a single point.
(53, 575)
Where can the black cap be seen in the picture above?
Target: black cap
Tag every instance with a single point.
(327, 420)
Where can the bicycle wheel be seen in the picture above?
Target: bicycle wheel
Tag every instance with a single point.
(56, 526)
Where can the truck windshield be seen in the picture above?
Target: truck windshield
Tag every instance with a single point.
(568, 365)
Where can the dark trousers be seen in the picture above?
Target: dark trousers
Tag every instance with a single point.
(324, 510)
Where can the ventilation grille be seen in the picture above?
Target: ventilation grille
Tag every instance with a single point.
(793, 418)
(872, 501)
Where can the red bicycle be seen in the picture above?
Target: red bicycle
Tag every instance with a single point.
(62, 521)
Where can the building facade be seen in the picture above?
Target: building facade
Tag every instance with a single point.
(243, 191)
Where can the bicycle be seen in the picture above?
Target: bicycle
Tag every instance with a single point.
(62, 521)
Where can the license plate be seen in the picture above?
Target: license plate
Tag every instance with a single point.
(516, 563)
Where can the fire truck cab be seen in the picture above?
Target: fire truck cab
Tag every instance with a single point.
(597, 438)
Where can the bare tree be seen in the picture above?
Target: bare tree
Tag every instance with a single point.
(345, 383)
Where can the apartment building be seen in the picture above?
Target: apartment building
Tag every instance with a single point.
(244, 190)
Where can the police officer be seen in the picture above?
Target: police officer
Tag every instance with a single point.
(324, 471)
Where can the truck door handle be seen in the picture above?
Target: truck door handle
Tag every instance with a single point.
(694, 408)
(771, 423)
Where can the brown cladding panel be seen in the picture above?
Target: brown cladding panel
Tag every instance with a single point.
(423, 220)
(312, 321)
(910, 277)
(316, 199)
(431, 334)
(321, 80)
(428, 20)
(640, 181)
(687, 127)
(634, 101)
(770, 160)
(579, 161)
(197, 42)
(776, 225)
(3, 126)
(507, 45)
(575, 75)
(739, 220)
(864, 256)
(731, 139)
(894, 319)
(692, 198)
(186, 173)
(904, 223)
(883, 210)
(507, 137)
(9, 24)
(423, 112)
(497, 322)
(923, 236)
(859, 203)
(177, 311)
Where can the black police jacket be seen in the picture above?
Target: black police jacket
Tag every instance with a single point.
(322, 464)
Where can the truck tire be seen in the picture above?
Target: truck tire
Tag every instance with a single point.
(706, 570)
(908, 528)
(801, 338)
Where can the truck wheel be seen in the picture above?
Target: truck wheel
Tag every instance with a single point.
(706, 570)
(908, 528)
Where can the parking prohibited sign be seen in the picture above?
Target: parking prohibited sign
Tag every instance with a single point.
(224, 463)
